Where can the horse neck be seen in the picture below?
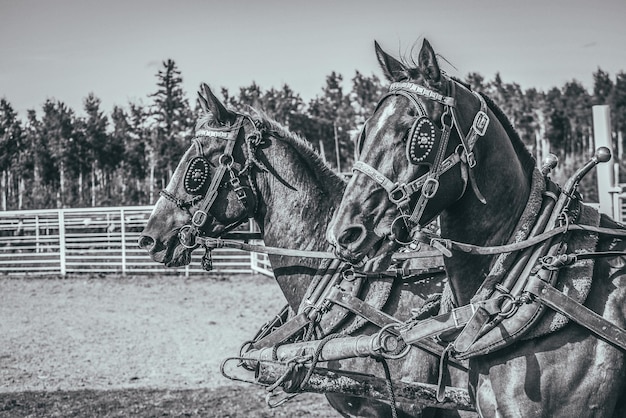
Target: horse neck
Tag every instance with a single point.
(296, 202)
(505, 183)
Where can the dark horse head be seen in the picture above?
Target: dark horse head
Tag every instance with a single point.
(210, 193)
(419, 154)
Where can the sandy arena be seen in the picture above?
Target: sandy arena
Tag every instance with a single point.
(134, 346)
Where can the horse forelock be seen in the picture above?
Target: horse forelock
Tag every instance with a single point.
(205, 121)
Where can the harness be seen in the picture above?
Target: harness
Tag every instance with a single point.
(426, 145)
(204, 188)
(515, 302)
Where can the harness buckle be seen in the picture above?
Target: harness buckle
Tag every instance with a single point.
(199, 218)
(481, 122)
(187, 236)
(471, 159)
(400, 230)
(241, 194)
(430, 187)
(399, 195)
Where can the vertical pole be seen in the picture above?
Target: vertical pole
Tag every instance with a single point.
(253, 259)
(538, 149)
(322, 151)
(37, 249)
(61, 216)
(123, 239)
(337, 148)
(602, 138)
(620, 149)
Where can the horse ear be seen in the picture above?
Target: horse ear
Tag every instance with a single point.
(427, 62)
(392, 68)
(213, 105)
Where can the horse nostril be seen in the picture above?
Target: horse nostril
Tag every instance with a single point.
(351, 235)
(146, 242)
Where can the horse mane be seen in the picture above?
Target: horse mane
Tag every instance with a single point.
(526, 158)
(326, 175)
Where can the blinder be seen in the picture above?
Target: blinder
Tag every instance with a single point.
(197, 178)
(421, 142)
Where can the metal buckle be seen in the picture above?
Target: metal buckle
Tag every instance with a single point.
(226, 159)
(481, 122)
(398, 232)
(398, 195)
(471, 160)
(430, 187)
(199, 218)
(457, 323)
(187, 236)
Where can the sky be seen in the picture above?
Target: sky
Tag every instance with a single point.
(65, 49)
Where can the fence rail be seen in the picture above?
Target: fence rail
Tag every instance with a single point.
(97, 240)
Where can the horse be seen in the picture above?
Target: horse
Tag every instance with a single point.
(435, 148)
(252, 167)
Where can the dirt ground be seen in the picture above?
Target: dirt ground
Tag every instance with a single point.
(134, 346)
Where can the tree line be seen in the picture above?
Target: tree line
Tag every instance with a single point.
(54, 158)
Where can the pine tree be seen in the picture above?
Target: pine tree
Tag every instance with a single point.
(11, 138)
(58, 131)
(172, 124)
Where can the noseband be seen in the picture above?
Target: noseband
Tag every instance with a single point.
(196, 179)
(426, 145)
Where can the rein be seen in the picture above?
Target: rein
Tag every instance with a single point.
(212, 243)
(500, 249)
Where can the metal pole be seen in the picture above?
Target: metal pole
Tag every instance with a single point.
(363, 385)
(602, 138)
(62, 261)
(123, 239)
(337, 147)
(322, 151)
(337, 349)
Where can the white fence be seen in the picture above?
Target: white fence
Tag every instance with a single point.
(98, 241)
(619, 207)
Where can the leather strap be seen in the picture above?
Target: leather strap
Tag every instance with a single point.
(557, 300)
(212, 243)
(454, 320)
(471, 331)
(479, 250)
(285, 331)
(382, 319)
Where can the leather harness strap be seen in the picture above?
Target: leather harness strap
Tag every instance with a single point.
(383, 320)
(557, 300)
(530, 242)
(448, 322)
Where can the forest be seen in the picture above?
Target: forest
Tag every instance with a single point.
(54, 158)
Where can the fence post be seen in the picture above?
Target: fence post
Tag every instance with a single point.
(123, 239)
(253, 255)
(61, 216)
(602, 138)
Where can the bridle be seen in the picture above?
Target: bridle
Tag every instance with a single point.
(426, 145)
(197, 175)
